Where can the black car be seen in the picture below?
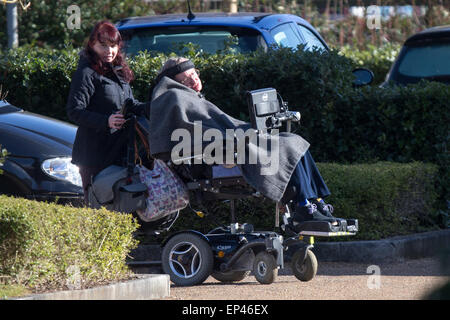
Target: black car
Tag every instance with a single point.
(425, 55)
(38, 165)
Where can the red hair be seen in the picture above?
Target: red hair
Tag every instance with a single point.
(106, 32)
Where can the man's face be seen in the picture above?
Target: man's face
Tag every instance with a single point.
(190, 78)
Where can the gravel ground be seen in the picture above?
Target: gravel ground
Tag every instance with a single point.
(409, 280)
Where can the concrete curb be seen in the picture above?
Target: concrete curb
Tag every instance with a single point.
(147, 287)
(396, 249)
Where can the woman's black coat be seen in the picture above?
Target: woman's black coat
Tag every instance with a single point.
(92, 99)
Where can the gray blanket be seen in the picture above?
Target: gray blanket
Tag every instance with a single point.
(266, 162)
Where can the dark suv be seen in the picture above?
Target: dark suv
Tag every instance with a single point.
(212, 32)
(425, 55)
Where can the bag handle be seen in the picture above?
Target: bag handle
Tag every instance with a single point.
(143, 139)
(145, 143)
(137, 158)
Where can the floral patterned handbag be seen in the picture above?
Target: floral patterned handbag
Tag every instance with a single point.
(166, 192)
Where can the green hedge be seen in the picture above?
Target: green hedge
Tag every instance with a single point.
(387, 198)
(342, 123)
(397, 124)
(39, 79)
(45, 245)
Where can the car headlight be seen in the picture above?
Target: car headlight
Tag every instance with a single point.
(63, 169)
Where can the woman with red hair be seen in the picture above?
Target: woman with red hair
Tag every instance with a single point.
(98, 95)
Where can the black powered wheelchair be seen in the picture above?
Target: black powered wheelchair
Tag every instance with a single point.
(229, 253)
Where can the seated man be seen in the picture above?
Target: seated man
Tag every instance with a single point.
(176, 103)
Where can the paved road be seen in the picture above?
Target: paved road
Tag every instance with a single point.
(408, 280)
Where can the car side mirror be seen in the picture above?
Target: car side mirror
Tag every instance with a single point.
(363, 77)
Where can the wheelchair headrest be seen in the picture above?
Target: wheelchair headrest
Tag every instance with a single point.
(263, 104)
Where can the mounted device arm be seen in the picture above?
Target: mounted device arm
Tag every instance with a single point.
(268, 110)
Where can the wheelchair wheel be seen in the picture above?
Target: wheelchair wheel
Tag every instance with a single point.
(230, 276)
(265, 268)
(187, 259)
(304, 270)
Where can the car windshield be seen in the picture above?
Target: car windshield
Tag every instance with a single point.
(424, 61)
(210, 40)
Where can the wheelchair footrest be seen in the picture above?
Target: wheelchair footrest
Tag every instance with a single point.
(345, 227)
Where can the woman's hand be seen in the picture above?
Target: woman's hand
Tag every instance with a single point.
(116, 120)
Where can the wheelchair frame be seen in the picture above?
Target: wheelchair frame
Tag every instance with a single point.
(230, 253)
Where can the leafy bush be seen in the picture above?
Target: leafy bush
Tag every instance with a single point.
(395, 124)
(45, 244)
(302, 78)
(387, 198)
(354, 31)
(38, 80)
(45, 22)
